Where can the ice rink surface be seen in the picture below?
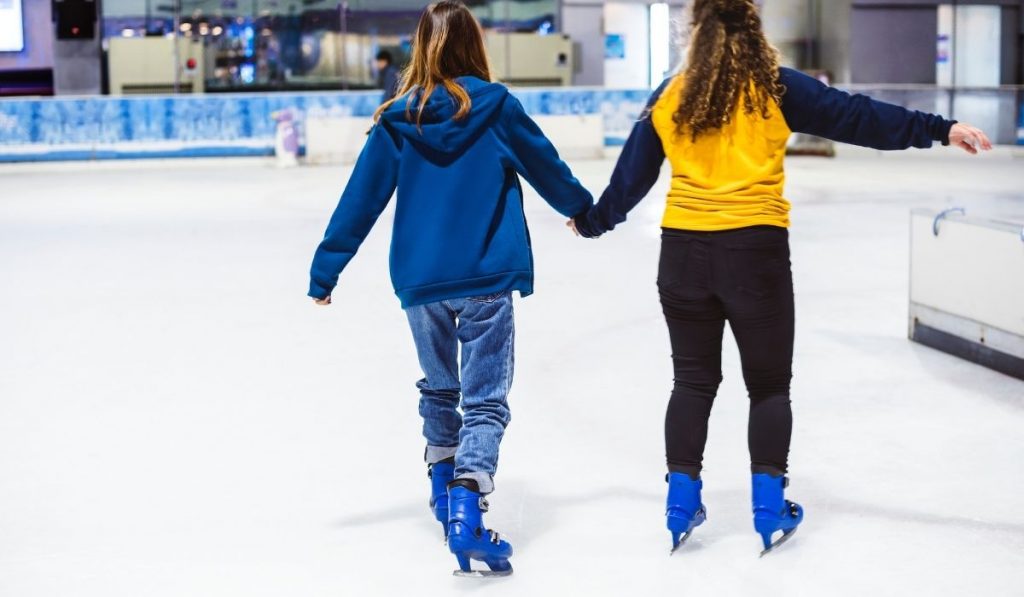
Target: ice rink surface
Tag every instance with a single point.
(178, 419)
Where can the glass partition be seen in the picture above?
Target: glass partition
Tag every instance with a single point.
(260, 45)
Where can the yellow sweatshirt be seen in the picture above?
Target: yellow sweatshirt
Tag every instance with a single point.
(726, 179)
(733, 177)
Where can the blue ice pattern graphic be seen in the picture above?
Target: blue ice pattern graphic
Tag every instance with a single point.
(232, 125)
(614, 46)
(1020, 126)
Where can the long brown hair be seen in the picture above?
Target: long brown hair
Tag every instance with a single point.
(448, 44)
(729, 57)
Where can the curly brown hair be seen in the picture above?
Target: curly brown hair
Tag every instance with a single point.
(728, 52)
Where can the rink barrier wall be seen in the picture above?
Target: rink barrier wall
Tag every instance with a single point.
(338, 140)
(583, 120)
(965, 287)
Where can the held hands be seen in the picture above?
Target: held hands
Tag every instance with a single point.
(584, 233)
(969, 138)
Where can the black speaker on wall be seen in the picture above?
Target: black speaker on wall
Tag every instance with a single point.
(76, 19)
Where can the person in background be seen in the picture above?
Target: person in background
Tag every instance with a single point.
(387, 75)
(454, 144)
(723, 123)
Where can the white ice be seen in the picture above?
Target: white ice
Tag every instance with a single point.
(178, 419)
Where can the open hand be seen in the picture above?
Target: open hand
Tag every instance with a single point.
(969, 138)
(571, 224)
(324, 301)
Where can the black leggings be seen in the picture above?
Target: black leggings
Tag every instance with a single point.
(741, 276)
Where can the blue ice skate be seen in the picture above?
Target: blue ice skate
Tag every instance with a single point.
(468, 539)
(684, 510)
(441, 474)
(772, 512)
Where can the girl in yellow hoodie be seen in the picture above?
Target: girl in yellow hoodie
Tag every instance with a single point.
(723, 124)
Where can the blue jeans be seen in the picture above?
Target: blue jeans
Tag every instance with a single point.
(485, 328)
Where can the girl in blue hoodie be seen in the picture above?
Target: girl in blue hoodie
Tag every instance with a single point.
(454, 145)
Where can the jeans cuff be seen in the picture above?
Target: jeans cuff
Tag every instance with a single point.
(438, 453)
(483, 480)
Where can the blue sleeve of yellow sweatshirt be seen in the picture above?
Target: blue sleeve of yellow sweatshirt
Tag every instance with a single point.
(367, 193)
(812, 107)
(538, 162)
(635, 173)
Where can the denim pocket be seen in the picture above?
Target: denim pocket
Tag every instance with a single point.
(675, 253)
(487, 298)
(760, 269)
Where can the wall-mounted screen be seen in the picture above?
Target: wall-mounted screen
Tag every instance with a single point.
(12, 31)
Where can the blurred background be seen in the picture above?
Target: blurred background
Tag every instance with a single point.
(960, 58)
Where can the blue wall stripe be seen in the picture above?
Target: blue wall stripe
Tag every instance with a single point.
(47, 129)
(1020, 124)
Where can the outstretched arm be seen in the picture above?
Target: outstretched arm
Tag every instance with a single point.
(812, 107)
(635, 173)
(538, 162)
(367, 194)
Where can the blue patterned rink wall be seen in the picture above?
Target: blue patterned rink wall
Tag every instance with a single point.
(47, 129)
(1020, 126)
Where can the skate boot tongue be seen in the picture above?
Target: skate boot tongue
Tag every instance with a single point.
(465, 483)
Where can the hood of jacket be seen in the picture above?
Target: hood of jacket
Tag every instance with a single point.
(438, 130)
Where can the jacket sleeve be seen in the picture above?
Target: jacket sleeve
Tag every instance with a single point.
(538, 162)
(369, 189)
(635, 173)
(812, 107)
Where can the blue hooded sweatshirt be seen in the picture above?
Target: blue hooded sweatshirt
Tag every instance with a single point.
(459, 225)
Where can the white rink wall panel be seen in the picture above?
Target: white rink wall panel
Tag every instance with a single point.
(339, 139)
(971, 268)
(575, 136)
(967, 287)
(335, 139)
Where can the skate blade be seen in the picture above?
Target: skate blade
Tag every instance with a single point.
(482, 573)
(785, 537)
(679, 545)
